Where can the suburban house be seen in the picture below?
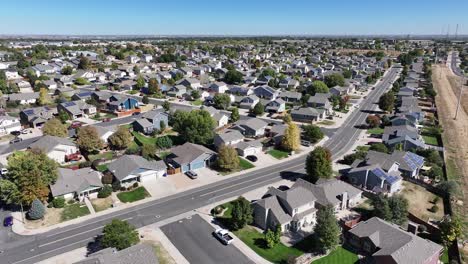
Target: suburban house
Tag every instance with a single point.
(409, 164)
(218, 87)
(131, 168)
(266, 92)
(252, 127)
(9, 124)
(122, 103)
(140, 253)
(189, 156)
(383, 242)
(59, 149)
(220, 118)
(247, 148)
(291, 97)
(321, 102)
(307, 114)
(23, 98)
(77, 109)
(341, 90)
(229, 138)
(157, 117)
(249, 102)
(190, 83)
(406, 135)
(76, 184)
(276, 106)
(36, 117)
(293, 209)
(177, 91)
(83, 96)
(104, 132)
(288, 83)
(276, 133)
(142, 125)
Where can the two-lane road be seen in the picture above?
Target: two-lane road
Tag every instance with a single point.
(71, 237)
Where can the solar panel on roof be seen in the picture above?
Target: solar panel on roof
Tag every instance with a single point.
(67, 104)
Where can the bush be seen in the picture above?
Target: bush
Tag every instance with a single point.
(116, 186)
(135, 185)
(85, 164)
(37, 210)
(436, 200)
(422, 228)
(434, 209)
(71, 201)
(123, 189)
(105, 192)
(58, 202)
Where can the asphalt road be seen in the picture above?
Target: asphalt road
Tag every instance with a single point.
(71, 237)
(454, 65)
(193, 238)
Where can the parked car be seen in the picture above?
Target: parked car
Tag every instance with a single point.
(192, 174)
(136, 113)
(75, 125)
(252, 158)
(16, 140)
(15, 133)
(305, 143)
(107, 119)
(223, 236)
(26, 131)
(8, 221)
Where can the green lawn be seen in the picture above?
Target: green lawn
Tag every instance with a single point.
(141, 140)
(72, 211)
(106, 155)
(339, 255)
(444, 258)
(431, 140)
(103, 115)
(245, 164)
(102, 167)
(197, 102)
(375, 131)
(279, 154)
(132, 196)
(255, 240)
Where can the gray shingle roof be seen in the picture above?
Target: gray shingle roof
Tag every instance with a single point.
(403, 247)
(69, 181)
(138, 254)
(188, 152)
(328, 192)
(126, 164)
(47, 143)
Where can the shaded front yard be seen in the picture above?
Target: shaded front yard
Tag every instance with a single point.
(137, 194)
(255, 240)
(339, 255)
(375, 131)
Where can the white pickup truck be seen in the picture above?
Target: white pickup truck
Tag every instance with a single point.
(223, 236)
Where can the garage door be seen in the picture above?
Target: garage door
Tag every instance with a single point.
(185, 168)
(197, 165)
(147, 177)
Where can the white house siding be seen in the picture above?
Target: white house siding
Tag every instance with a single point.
(249, 151)
(59, 152)
(68, 196)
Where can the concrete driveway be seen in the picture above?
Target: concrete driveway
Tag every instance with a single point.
(205, 176)
(159, 187)
(194, 239)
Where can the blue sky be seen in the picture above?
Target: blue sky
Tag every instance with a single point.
(232, 17)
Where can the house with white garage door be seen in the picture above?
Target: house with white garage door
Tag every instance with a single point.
(131, 168)
(188, 157)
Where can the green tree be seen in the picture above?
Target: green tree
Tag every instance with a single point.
(119, 234)
(167, 106)
(81, 81)
(234, 115)
(89, 140)
(287, 118)
(379, 147)
(450, 229)
(222, 101)
(233, 77)
(347, 74)
(393, 209)
(258, 109)
(54, 127)
(67, 70)
(195, 94)
(196, 126)
(148, 151)
(448, 187)
(84, 63)
(9, 193)
(334, 79)
(387, 102)
(326, 229)
(37, 210)
(145, 99)
(164, 142)
(242, 213)
(58, 202)
(319, 164)
(227, 158)
(105, 192)
(269, 237)
(291, 140)
(312, 133)
(153, 86)
(63, 116)
(121, 139)
(43, 96)
(317, 87)
(140, 83)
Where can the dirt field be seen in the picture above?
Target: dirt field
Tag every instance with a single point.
(455, 136)
(420, 201)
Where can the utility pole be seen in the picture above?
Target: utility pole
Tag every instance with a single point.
(456, 32)
(462, 83)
